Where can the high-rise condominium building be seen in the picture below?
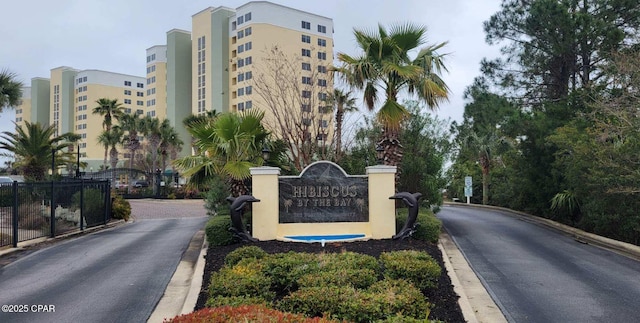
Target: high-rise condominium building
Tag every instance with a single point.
(66, 100)
(227, 64)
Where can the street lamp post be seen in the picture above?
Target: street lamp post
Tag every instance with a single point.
(176, 176)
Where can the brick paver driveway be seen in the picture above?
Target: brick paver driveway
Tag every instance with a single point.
(147, 209)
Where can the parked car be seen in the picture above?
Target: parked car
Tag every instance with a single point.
(140, 183)
(5, 181)
(120, 185)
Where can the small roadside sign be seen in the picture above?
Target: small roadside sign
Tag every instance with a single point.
(468, 181)
(468, 191)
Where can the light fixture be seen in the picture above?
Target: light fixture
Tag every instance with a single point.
(266, 153)
(380, 154)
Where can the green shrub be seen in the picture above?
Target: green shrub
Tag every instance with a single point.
(286, 269)
(350, 260)
(120, 208)
(400, 296)
(218, 301)
(235, 256)
(244, 313)
(382, 300)
(215, 198)
(358, 278)
(418, 267)
(428, 228)
(217, 230)
(240, 280)
(94, 207)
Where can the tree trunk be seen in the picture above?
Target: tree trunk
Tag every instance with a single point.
(485, 185)
(114, 162)
(393, 151)
(339, 117)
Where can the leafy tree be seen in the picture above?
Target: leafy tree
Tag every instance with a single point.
(385, 66)
(110, 109)
(343, 103)
(427, 147)
(229, 145)
(10, 89)
(33, 145)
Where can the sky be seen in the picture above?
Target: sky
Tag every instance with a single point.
(112, 35)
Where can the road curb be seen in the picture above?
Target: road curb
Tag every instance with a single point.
(181, 294)
(476, 304)
(623, 248)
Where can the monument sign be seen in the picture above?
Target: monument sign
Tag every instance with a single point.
(323, 193)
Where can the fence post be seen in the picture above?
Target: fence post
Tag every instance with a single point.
(53, 210)
(81, 204)
(107, 205)
(15, 214)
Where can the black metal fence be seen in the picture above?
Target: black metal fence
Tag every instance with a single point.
(46, 209)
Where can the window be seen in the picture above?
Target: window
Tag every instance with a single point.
(240, 48)
(306, 94)
(247, 46)
(324, 109)
(127, 101)
(306, 66)
(322, 82)
(141, 85)
(306, 108)
(247, 16)
(247, 31)
(127, 110)
(241, 106)
(241, 34)
(324, 123)
(240, 62)
(240, 20)
(140, 102)
(248, 90)
(127, 92)
(306, 121)
(247, 61)
(248, 105)
(322, 55)
(306, 25)
(322, 42)
(140, 93)
(322, 69)
(322, 96)
(306, 52)
(241, 91)
(306, 39)
(248, 75)
(306, 80)
(240, 77)
(84, 79)
(322, 29)
(139, 111)
(233, 25)
(127, 83)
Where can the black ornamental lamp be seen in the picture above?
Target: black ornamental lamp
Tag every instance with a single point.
(380, 154)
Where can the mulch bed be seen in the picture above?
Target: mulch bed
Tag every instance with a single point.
(444, 299)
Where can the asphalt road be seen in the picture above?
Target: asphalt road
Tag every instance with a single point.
(536, 274)
(115, 275)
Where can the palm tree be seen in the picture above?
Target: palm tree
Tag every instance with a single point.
(486, 148)
(170, 143)
(343, 102)
(112, 139)
(109, 109)
(33, 145)
(131, 123)
(10, 89)
(385, 65)
(229, 145)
